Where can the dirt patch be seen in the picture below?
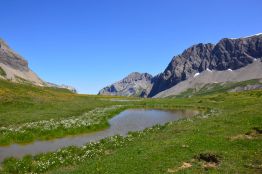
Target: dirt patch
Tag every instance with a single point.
(209, 165)
(185, 165)
(254, 133)
(208, 157)
(208, 160)
(241, 137)
(258, 130)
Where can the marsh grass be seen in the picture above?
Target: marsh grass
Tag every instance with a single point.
(93, 120)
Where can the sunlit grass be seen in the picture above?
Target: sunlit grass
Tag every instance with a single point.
(230, 130)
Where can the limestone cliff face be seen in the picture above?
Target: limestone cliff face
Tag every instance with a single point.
(135, 84)
(15, 68)
(226, 54)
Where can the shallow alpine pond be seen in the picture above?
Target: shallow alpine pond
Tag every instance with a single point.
(127, 121)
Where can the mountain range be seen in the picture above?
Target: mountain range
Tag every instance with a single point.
(230, 60)
(223, 58)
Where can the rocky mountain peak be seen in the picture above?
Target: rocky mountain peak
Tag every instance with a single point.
(137, 76)
(197, 50)
(11, 58)
(226, 54)
(135, 84)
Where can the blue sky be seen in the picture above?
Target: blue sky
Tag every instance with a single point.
(92, 43)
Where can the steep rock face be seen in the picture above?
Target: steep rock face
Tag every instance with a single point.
(207, 77)
(226, 54)
(15, 68)
(135, 84)
(9, 57)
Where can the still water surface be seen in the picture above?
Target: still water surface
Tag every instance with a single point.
(126, 121)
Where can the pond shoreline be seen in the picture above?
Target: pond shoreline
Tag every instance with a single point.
(120, 124)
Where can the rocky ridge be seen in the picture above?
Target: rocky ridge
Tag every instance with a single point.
(135, 84)
(226, 54)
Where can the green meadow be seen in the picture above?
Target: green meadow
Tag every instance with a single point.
(225, 138)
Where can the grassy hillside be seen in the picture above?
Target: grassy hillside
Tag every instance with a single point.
(20, 103)
(23, 107)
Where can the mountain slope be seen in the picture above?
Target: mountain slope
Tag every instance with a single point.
(135, 84)
(226, 54)
(15, 68)
(201, 80)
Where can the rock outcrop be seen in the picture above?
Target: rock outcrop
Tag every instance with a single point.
(135, 84)
(226, 54)
(15, 68)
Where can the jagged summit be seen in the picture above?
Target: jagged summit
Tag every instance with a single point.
(135, 76)
(135, 84)
(226, 54)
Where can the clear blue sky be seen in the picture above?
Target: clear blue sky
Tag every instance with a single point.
(92, 43)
